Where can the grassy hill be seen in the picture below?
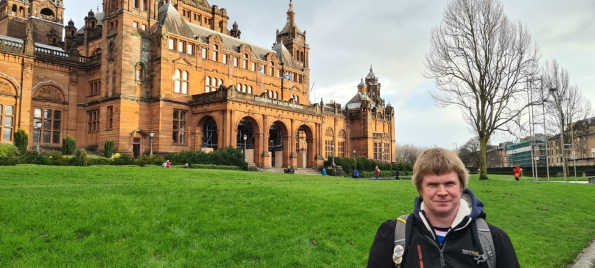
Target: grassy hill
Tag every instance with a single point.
(155, 217)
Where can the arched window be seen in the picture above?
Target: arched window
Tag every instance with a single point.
(207, 84)
(275, 95)
(239, 87)
(47, 12)
(297, 99)
(249, 89)
(139, 72)
(219, 83)
(214, 84)
(244, 88)
(181, 82)
(215, 52)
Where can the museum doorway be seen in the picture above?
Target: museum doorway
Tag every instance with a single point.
(245, 139)
(210, 136)
(304, 146)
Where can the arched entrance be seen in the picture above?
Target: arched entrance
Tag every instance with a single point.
(275, 144)
(210, 137)
(247, 143)
(304, 146)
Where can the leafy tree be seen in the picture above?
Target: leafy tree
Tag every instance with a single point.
(481, 62)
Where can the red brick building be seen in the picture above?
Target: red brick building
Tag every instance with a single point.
(172, 68)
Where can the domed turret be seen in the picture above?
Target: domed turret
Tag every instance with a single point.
(70, 23)
(371, 74)
(91, 13)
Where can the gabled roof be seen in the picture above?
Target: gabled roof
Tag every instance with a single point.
(356, 101)
(173, 22)
(170, 18)
(284, 56)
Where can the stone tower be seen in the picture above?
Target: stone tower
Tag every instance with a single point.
(46, 17)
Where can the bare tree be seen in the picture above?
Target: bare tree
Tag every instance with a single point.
(567, 107)
(408, 153)
(480, 62)
(469, 152)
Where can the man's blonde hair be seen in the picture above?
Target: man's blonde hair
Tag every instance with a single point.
(438, 161)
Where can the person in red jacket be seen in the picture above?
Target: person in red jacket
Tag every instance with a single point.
(517, 172)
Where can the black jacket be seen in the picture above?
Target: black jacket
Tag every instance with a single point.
(457, 248)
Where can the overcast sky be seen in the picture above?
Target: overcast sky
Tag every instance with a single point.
(346, 36)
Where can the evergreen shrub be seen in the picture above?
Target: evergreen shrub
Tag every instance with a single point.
(21, 140)
(108, 148)
(68, 145)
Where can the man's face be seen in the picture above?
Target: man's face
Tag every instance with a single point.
(441, 195)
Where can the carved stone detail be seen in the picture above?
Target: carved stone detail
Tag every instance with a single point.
(6, 88)
(49, 93)
(27, 69)
(74, 77)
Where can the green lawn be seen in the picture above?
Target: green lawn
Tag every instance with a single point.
(155, 217)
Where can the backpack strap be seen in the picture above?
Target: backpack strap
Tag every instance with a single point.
(483, 237)
(403, 230)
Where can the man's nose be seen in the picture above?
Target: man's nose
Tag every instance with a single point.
(442, 190)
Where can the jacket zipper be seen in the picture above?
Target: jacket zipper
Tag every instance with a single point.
(441, 249)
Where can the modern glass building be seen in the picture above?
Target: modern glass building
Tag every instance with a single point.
(520, 153)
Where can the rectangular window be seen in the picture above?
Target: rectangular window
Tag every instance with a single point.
(190, 49)
(341, 151)
(224, 59)
(253, 66)
(135, 24)
(235, 62)
(110, 117)
(181, 46)
(94, 87)
(377, 151)
(135, 3)
(204, 53)
(386, 152)
(93, 121)
(144, 27)
(171, 44)
(179, 127)
(47, 126)
(328, 149)
(6, 125)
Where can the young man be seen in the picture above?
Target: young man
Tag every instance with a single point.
(441, 235)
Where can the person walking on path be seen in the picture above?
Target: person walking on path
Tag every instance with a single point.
(443, 222)
(517, 172)
(397, 174)
(377, 172)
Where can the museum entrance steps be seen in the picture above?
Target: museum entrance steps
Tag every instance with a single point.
(303, 171)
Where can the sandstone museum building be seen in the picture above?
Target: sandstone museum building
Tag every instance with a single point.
(170, 76)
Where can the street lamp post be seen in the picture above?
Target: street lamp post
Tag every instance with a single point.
(38, 128)
(151, 135)
(333, 153)
(245, 156)
(353, 153)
